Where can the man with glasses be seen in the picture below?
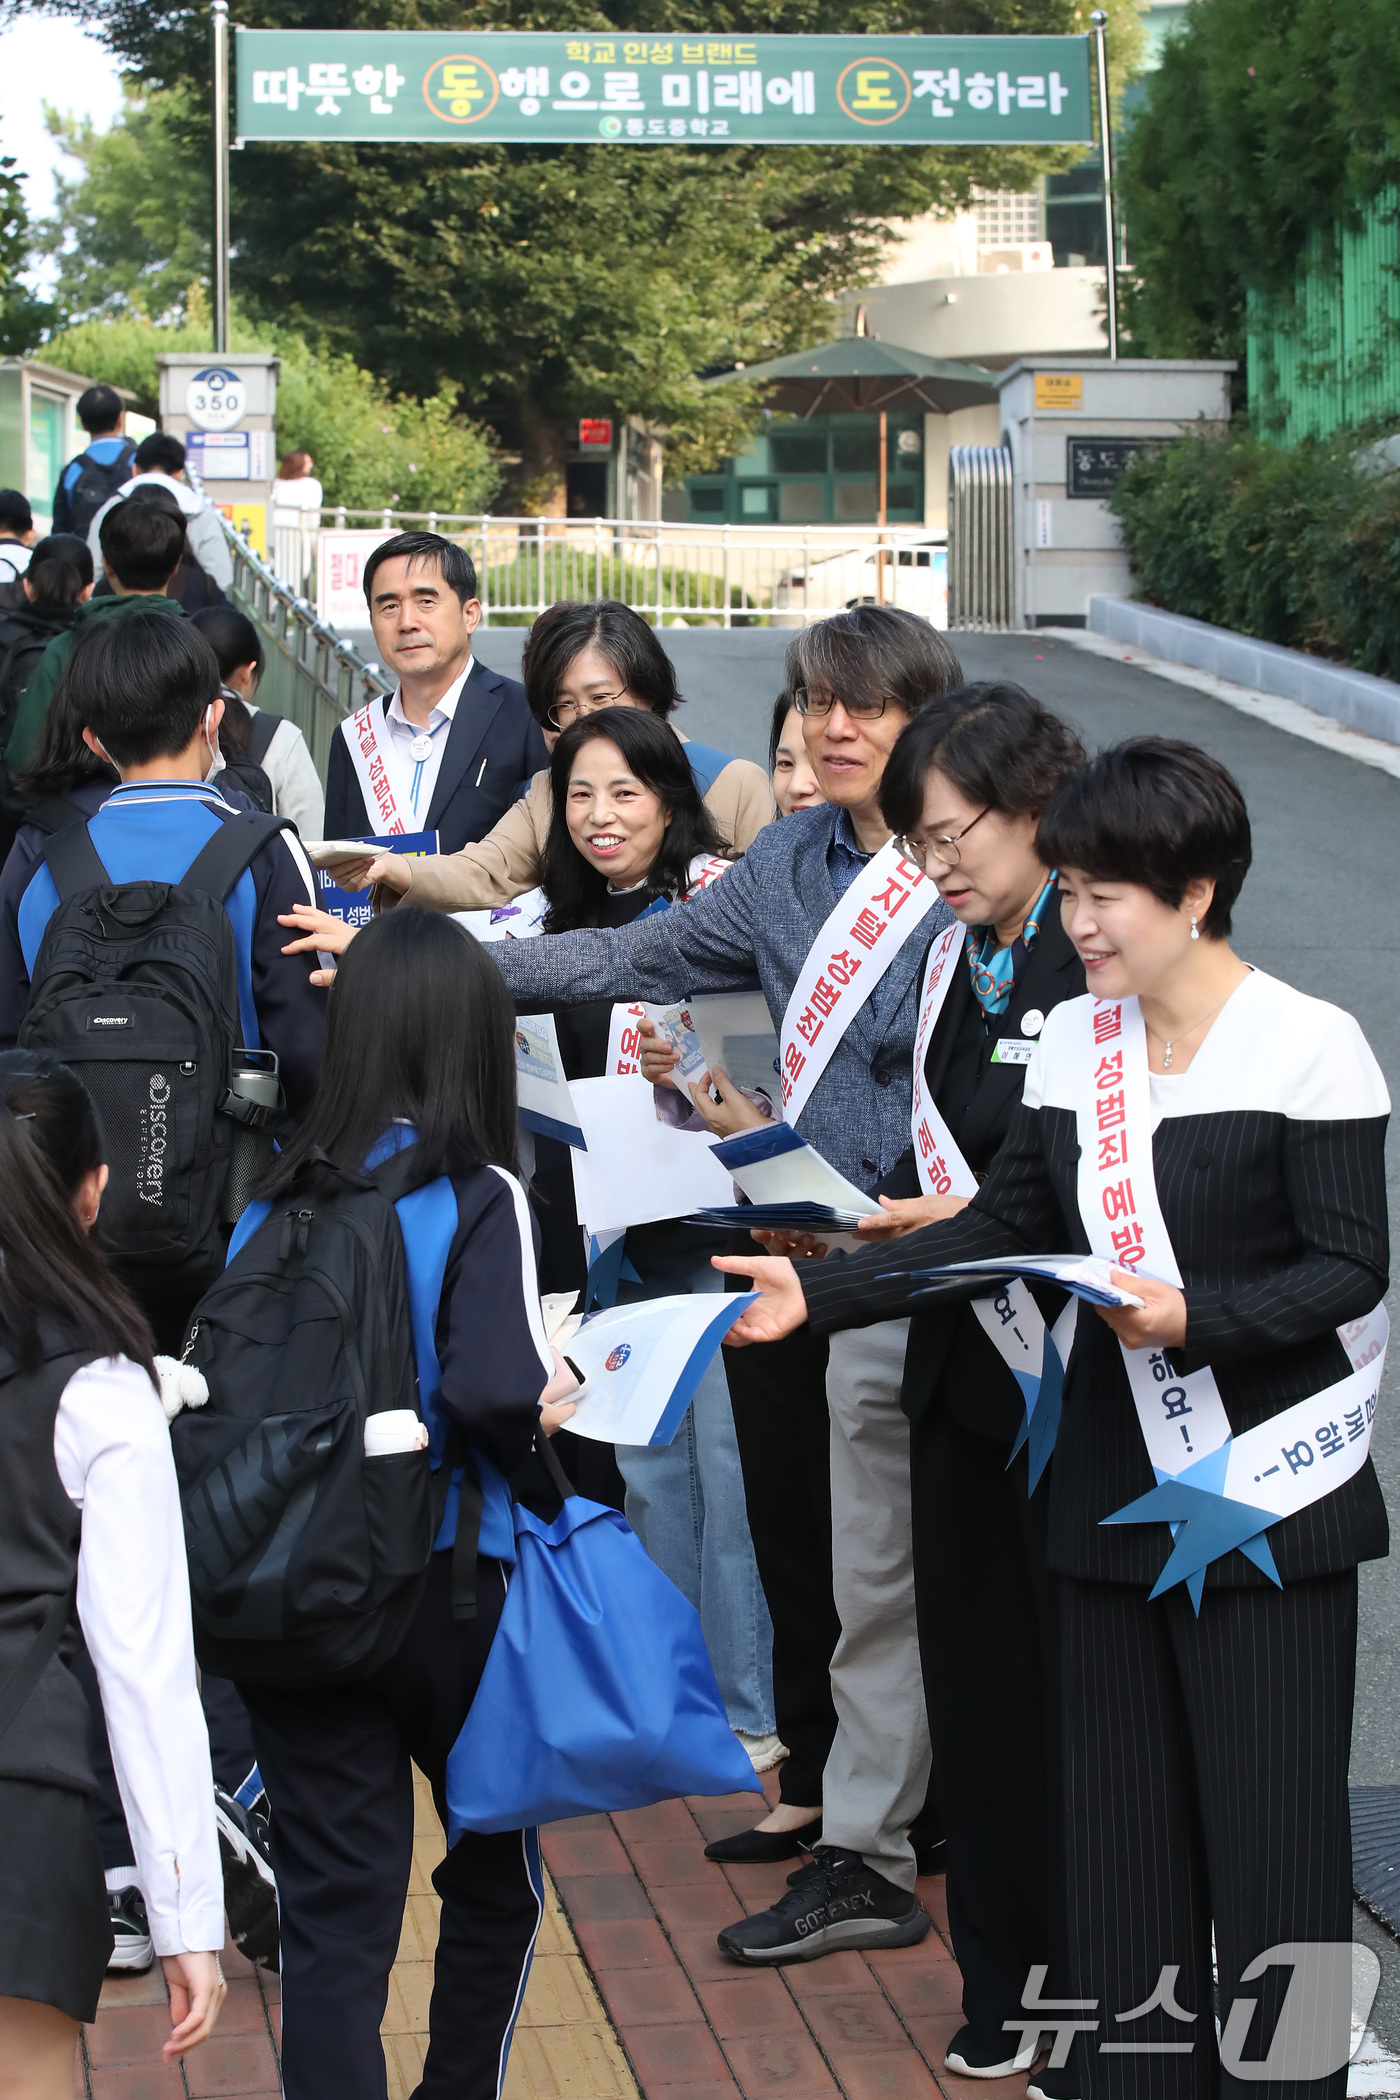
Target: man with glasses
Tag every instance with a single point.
(449, 748)
(833, 922)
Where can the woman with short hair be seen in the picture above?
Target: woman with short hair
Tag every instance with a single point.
(1216, 1138)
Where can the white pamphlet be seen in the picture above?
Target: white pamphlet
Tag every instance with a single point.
(520, 920)
(736, 1031)
(643, 1363)
(774, 1166)
(542, 1091)
(635, 1170)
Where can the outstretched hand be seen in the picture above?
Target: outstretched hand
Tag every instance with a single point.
(781, 1310)
(1160, 1322)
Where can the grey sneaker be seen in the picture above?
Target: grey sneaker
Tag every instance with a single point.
(835, 1903)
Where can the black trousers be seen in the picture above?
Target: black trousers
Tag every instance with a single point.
(1207, 1782)
(778, 1393)
(988, 1640)
(337, 1767)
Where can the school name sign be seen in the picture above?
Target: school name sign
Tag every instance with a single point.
(641, 90)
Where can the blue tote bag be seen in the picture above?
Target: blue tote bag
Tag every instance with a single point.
(598, 1692)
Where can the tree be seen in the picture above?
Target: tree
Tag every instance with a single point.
(549, 282)
(1266, 121)
(23, 318)
(370, 449)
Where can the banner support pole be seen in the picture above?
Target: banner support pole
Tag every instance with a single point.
(219, 26)
(1099, 22)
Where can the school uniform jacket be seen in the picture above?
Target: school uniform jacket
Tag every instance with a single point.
(1271, 1179)
(950, 1358)
(491, 727)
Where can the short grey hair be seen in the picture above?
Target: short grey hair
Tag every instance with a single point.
(874, 648)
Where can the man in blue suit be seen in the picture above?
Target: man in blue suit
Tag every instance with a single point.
(858, 679)
(449, 748)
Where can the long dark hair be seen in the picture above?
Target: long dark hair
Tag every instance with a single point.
(236, 642)
(420, 1030)
(655, 754)
(628, 641)
(52, 1274)
(62, 760)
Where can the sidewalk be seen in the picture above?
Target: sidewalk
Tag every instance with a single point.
(628, 1999)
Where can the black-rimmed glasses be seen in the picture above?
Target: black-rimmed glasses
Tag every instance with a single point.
(861, 710)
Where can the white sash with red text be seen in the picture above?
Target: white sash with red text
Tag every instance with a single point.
(888, 901)
(1295, 1457)
(379, 768)
(1010, 1317)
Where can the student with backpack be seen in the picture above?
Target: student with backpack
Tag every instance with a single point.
(416, 1104)
(87, 481)
(249, 734)
(143, 543)
(57, 582)
(89, 1512)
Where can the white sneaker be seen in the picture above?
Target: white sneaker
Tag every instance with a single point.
(132, 1951)
(764, 1751)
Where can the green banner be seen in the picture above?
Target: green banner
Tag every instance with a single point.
(647, 90)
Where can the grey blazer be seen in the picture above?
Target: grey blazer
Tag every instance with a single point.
(757, 923)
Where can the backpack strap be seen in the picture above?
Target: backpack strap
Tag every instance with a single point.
(236, 843)
(262, 730)
(54, 813)
(74, 862)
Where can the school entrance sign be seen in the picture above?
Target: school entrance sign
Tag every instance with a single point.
(587, 89)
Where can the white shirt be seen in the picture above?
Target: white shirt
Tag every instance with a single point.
(302, 494)
(14, 560)
(111, 1445)
(422, 773)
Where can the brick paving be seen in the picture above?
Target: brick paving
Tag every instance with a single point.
(646, 1904)
(629, 1998)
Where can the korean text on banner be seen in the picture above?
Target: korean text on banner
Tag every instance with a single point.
(340, 575)
(647, 89)
(356, 907)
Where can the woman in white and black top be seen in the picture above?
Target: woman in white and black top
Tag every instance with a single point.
(248, 735)
(1196, 1118)
(89, 1510)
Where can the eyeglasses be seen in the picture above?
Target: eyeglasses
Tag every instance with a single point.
(861, 710)
(565, 713)
(946, 851)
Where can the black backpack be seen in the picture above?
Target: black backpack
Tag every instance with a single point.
(306, 1558)
(25, 634)
(135, 986)
(95, 483)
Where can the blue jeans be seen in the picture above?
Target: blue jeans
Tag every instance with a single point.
(685, 1499)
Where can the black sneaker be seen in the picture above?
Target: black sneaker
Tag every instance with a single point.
(132, 1950)
(1065, 2084)
(984, 2052)
(250, 1890)
(834, 1903)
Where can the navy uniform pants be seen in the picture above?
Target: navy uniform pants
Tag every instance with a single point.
(337, 1766)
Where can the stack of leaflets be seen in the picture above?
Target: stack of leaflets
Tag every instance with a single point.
(1086, 1275)
(791, 1188)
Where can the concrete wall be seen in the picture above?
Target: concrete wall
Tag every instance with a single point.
(988, 319)
(966, 426)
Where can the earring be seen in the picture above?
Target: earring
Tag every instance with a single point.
(1195, 929)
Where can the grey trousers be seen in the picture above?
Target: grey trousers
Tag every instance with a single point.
(878, 1772)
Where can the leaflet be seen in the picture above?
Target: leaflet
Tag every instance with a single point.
(542, 1091)
(1083, 1274)
(633, 1169)
(644, 1362)
(736, 1031)
(819, 1218)
(520, 920)
(776, 1168)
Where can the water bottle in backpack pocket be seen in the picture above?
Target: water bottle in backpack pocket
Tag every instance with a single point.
(306, 1556)
(135, 986)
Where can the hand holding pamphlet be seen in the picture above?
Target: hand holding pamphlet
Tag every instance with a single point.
(791, 1187)
(642, 1364)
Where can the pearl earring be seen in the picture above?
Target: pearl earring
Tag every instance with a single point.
(1195, 929)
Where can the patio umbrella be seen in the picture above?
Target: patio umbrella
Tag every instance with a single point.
(861, 373)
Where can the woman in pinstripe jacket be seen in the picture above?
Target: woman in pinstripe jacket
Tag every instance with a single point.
(1207, 1722)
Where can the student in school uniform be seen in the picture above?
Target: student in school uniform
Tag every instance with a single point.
(451, 746)
(89, 1515)
(1215, 1139)
(419, 1052)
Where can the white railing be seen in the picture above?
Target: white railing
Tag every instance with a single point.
(698, 575)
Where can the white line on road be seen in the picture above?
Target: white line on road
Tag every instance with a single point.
(1288, 715)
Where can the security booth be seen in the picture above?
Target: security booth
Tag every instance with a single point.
(1071, 426)
(223, 409)
(39, 429)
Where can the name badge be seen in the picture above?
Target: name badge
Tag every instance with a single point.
(1013, 1050)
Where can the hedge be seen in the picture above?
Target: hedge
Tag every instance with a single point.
(1299, 546)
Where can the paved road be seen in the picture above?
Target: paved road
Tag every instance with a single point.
(1321, 908)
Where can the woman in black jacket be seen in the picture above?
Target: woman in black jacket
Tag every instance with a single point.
(1216, 1140)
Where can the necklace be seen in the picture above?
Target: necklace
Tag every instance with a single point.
(1166, 1041)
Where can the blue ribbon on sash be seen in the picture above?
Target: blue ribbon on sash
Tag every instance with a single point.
(1044, 1398)
(1206, 1524)
(608, 1267)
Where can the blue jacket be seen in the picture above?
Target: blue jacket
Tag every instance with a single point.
(493, 747)
(151, 831)
(759, 923)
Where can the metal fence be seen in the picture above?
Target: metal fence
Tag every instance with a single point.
(719, 575)
(312, 676)
(981, 539)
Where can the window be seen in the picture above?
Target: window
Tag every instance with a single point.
(706, 502)
(856, 452)
(755, 500)
(856, 502)
(1008, 218)
(798, 451)
(800, 502)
